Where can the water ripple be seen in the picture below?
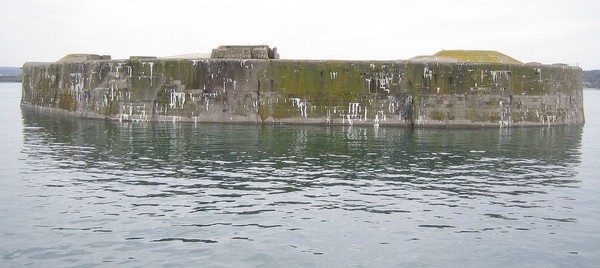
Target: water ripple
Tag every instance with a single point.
(152, 193)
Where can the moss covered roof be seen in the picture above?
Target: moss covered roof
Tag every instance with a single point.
(469, 56)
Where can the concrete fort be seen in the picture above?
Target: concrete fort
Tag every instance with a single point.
(249, 84)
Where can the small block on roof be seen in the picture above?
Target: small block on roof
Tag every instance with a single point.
(245, 52)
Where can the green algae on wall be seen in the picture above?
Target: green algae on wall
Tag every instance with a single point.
(419, 93)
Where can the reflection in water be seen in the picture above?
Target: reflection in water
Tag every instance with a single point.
(487, 162)
(265, 195)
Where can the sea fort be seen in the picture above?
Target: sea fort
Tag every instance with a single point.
(252, 84)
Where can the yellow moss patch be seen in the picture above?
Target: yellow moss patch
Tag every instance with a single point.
(488, 56)
(477, 56)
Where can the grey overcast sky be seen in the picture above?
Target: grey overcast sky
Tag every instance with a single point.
(547, 31)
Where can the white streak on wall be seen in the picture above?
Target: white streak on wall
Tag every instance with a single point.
(297, 102)
(496, 75)
(177, 99)
(151, 69)
(353, 111)
(427, 73)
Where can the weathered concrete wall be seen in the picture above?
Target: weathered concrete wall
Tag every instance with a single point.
(409, 93)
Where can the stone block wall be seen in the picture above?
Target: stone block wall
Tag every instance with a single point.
(399, 93)
(244, 52)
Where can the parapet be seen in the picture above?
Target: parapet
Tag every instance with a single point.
(142, 57)
(83, 57)
(245, 52)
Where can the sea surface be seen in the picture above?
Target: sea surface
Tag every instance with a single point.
(90, 193)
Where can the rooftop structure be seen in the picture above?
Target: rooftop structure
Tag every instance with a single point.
(245, 52)
(487, 56)
(83, 57)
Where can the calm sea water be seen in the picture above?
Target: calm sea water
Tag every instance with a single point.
(87, 193)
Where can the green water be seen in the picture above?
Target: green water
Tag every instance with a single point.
(87, 193)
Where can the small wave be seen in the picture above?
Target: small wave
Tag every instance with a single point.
(185, 240)
(439, 226)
